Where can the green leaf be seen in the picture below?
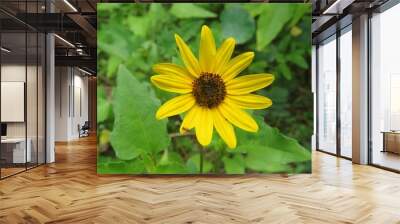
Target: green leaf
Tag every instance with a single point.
(170, 158)
(234, 165)
(193, 164)
(190, 28)
(258, 67)
(285, 70)
(148, 162)
(171, 163)
(269, 150)
(237, 23)
(164, 159)
(143, 25)
(136, 129)
(158, 14)
(298, 60)
(111, 39)
(299, 11)
(271, 22)
(258, 160)
(215, 26)
(139, 25)
(278, 94)
(114, 49)
(171, 169)
(109, 165)
(112, 66)
(217, 143)
(103, 106)
(190, 10)
(183, 143)
(264, 159)
(254, 9)
(108, 7)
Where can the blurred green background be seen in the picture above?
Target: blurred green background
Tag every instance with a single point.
(133, 37)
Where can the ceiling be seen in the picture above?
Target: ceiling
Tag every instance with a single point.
(330, 15)
(74, 22)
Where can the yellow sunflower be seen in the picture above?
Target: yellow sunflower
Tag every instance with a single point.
(212, 94)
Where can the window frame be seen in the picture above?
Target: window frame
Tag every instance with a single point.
(339, 32)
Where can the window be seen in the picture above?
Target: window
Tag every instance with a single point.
(385, 89)
(346, 92)
(327, 95)
(22, 78)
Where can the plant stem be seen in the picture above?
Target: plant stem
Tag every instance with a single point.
(201, 159)
(174, 135)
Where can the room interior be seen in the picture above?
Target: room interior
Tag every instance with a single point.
(355, 170)
(71, 100)
(26, 111)
(337, 86)
(385, 89)
(22, 102)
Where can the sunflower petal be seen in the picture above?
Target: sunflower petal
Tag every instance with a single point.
(172, 83)
(190, 61)
(207, 49)
(189, 121)
(248, 83)
(224, 129)
(250, 101)
(223, 55)
(204, 126)
(238, 117)
(175, 106)
(236, 65)
(171, 69)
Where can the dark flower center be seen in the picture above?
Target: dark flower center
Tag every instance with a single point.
(209, 90)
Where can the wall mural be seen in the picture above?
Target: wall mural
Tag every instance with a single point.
(201, 88)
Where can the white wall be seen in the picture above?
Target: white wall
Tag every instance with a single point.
(16, 73)
(33, 126)
(80, 109)
(13, 100)
(12, 73)
(71, 94)
(62, 81)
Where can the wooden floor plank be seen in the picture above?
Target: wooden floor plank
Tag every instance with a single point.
(70, 191)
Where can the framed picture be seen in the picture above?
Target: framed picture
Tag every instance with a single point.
(201, 88)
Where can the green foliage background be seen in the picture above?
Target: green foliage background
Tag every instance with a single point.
(133, 37)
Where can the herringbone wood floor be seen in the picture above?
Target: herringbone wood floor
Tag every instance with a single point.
(69, 191)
